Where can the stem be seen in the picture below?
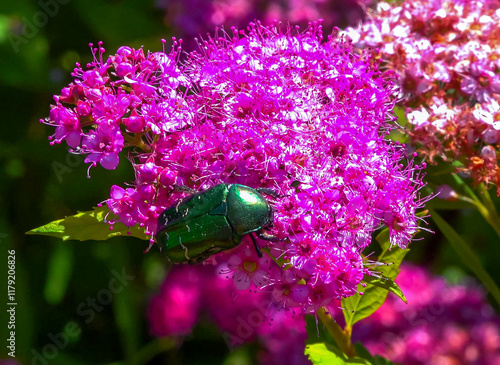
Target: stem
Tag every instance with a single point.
(341, 337)
(485, 206)
(153, 348)
(489, 213)
(280, 261)
(136, 140)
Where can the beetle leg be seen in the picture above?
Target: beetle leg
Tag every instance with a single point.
(257, 248)
(269, 192)
(267, 237)
(184, 189)
(196, 260)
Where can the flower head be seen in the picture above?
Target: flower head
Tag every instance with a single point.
(441, 324)
(241, 316)
(174, 311)
(249, 269)
(269, 107)
(446, 55)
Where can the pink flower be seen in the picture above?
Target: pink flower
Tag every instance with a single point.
(283, 340)
(68, 126)
(242, 316)
(446, 56)
(174, 311)
(105, 145)
(249, 268)
(441, 323)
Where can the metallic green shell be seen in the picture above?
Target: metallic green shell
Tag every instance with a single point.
(211, 221)
(198, 239)
(247, 210)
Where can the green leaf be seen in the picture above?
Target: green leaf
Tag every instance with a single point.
(401, 115)
(379, 360)
(363, 351)
(316, 332)
(467, 255)
(358, 306)
(385, 283)
(326, 354)
(89, 225)
(365, 354)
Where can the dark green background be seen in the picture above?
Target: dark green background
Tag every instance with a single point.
(55, 278)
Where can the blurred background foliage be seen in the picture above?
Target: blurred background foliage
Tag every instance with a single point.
(57, 282)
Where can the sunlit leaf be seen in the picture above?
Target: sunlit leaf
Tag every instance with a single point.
(326, 354)
(89, 225)
(386, 284)
(359, 306)
(365, 354)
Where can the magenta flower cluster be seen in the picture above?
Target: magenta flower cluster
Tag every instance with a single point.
(270, 107)
(441, 324)
(447, 56)
(191, 294)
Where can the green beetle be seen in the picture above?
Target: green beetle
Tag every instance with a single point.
(214, 220)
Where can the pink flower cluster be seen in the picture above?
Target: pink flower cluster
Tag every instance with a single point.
(441, 324)
(192, 18)
(270, 108)
(242, 317)
(447, 56)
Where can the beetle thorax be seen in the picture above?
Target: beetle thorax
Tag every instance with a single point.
(247, 210)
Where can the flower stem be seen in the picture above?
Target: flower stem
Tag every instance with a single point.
(341, 337)
(136, 140)
(153, 348)
(485, 205)
(489, 212)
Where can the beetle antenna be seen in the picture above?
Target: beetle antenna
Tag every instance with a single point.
(269, 192)
(184, 189)
(257, 248)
